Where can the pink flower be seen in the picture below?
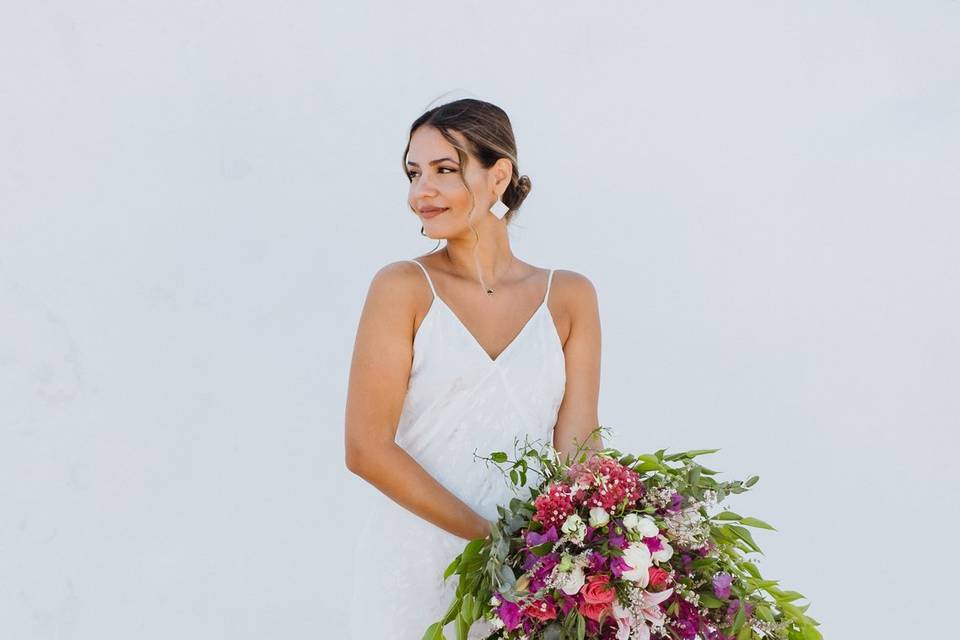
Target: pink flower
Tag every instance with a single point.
(658, 578)
(541, 610)
(553, 506)
(650, 604)
(598, 594)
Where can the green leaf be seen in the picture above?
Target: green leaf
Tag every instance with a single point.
(466, 608)
(452, 612)
(753, 522)
(453, 567)
(739, 618)
(434, 632)
(750, 568)
(764, 612)
(752, 480)
(498, 456)
(542, 549)
(646, 463)
(701, 564)
(745, 632)
(581, 627)
(810, 632)
(709, 601)
(727, 515)
(687, 455)
(514, 478)
(744, 534)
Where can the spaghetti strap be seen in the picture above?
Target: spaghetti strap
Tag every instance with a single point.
(546, 296)
(429, 281)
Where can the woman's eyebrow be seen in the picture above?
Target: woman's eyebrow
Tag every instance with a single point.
(432, 162)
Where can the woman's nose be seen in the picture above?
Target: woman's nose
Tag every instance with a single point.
(423, 186)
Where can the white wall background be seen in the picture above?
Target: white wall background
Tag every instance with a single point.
(195, 195)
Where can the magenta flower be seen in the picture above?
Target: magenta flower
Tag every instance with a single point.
(721, 585)
(534, 538)
(618, 566)
(509, 613)
(654, 543)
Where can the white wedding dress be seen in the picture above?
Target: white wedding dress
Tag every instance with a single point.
(459, 401)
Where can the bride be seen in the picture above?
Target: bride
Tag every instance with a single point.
(459, 352)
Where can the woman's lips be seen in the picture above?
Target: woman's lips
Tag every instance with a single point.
(433, 213)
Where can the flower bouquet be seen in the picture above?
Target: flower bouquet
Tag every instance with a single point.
(612, 546)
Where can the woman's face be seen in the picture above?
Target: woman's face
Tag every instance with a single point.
(437, 194)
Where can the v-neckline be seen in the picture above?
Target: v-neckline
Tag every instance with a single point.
(474, 340)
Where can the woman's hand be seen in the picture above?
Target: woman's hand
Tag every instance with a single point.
(484, 526)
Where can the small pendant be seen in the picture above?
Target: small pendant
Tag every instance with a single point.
(489, 292)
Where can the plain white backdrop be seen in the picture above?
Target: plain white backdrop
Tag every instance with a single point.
(195, 195)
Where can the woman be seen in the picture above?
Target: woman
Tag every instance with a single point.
(461, 351)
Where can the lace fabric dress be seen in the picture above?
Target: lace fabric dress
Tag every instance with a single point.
(459, 401)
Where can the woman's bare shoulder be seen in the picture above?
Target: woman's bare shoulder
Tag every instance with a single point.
(397, 278)
(574, 288)
(396, 291)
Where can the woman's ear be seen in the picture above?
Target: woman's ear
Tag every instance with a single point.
(500, 174)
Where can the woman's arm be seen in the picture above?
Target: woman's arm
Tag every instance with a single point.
(578, 415)
(379, 375)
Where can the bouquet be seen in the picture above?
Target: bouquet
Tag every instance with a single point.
(619, 547)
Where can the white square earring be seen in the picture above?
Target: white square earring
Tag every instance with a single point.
(499, 209)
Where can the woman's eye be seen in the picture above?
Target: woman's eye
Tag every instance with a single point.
(411, 174)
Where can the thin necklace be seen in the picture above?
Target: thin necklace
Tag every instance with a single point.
(488, 290)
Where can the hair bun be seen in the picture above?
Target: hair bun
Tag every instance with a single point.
(524, 185)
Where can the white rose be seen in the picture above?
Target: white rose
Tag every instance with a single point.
(575, 528)
(598, 517)
(647, 527)
(573, 581)
(665, 553)
(637, 555)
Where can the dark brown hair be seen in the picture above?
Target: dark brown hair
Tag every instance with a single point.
(488, 133)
